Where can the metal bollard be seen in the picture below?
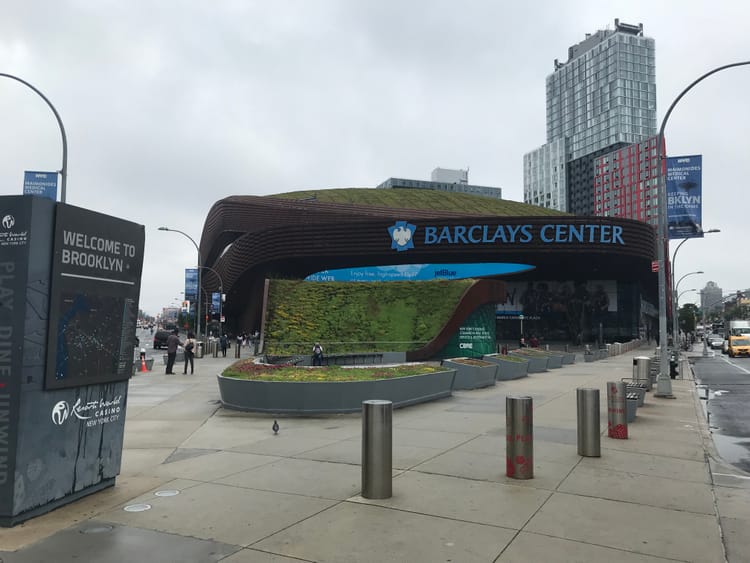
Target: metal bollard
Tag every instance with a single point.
(237, 350)
(216, 348)
(589, 435)
(377, 450)
(519, 437)
(617, 423)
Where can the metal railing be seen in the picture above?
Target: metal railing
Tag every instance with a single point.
(288, 348)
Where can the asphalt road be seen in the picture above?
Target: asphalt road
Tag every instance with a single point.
(727, 386)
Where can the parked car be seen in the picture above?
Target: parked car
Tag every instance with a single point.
(160, 339)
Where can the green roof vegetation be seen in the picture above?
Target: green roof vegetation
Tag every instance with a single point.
(399, 198)
(357, 317)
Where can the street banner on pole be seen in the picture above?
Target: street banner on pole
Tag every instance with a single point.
(191, 284)
(684, 196)
(215, 302)
(43, 184)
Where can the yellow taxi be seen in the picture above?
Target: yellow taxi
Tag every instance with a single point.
(739, 346)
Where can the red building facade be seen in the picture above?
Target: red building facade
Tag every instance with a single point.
(625, 182)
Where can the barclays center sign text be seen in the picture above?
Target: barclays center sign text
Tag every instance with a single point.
(404, 233)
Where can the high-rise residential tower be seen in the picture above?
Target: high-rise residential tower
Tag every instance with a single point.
(602, 99)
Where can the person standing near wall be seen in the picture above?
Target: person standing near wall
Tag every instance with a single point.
(189, 348)
(317, 351)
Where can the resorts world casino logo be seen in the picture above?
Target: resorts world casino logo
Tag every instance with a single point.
(8, 222)
(402, 234)
(92, 412)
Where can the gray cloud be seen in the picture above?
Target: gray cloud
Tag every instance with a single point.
(170, 106)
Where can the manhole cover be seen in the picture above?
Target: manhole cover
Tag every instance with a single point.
(137, 507)
(98, 529)
(167, 493)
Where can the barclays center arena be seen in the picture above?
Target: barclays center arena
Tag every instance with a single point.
(567, 278)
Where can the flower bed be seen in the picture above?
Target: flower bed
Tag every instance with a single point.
(508, 367)
(301, 390)
(472, 373)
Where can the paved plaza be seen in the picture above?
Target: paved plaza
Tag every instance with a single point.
(222, 487)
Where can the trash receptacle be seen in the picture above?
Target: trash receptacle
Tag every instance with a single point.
(642, 371)
(199, 349)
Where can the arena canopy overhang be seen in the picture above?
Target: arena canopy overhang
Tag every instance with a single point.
(248, 239)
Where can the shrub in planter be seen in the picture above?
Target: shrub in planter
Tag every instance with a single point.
(336, 389)
(472, 373)
(537, 361)
(508, 367)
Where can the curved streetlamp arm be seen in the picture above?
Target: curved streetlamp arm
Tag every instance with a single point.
(664, 382)
(198, 296)
(64, 169)
(677, 285)
(221, 306)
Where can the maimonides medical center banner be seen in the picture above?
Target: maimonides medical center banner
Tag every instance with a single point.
(96, 273)
(684, 196)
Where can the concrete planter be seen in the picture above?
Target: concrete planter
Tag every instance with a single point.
(471, 376)
(319, 397)
(508, 369)
(554, 359)
(589, 357)
(568, 358)
(537, 364)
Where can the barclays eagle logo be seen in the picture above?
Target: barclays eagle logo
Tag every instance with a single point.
(401, 235)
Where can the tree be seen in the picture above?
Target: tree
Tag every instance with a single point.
(686, 317)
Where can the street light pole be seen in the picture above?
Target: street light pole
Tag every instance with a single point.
(675, 304)
(64, 169)
(664, 381)
(221, 296)
(675, 324)
(198, 300)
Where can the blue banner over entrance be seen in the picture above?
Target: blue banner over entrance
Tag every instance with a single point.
(684, 196)
(419, 272)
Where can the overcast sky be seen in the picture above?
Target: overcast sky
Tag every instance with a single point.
(170, 106)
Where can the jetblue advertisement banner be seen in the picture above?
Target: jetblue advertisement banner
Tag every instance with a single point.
(418, 272)
(191, 284)
(684, 196)
(43, 184)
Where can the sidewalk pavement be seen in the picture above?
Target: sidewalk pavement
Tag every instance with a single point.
(246, 495)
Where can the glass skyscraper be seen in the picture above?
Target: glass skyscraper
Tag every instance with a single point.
(601, 99)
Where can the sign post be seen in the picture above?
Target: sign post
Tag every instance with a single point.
(73, 275)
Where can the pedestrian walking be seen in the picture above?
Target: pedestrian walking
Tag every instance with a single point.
(223, 343)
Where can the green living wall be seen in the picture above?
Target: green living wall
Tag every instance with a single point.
(358, 316)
